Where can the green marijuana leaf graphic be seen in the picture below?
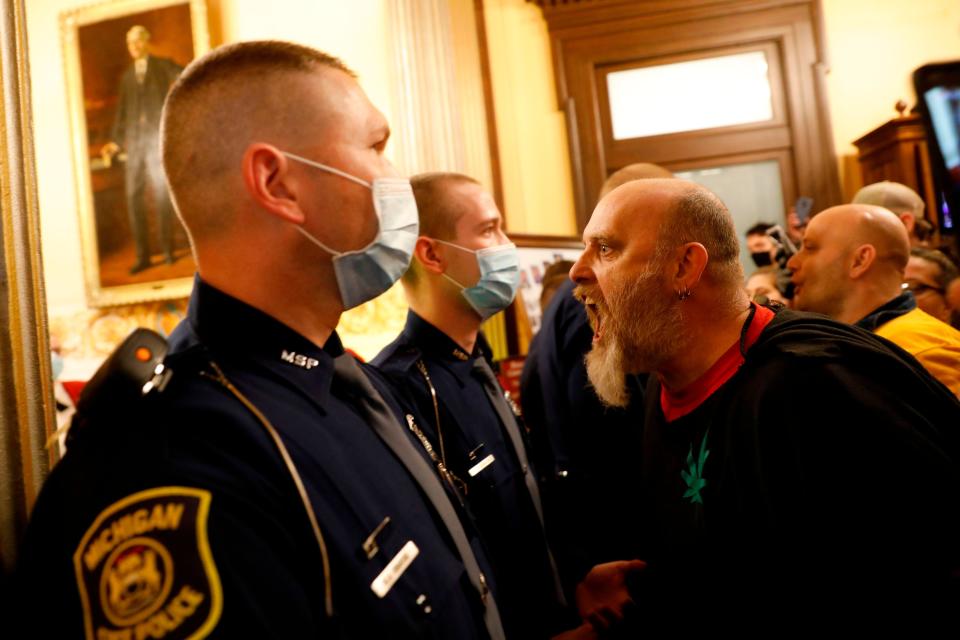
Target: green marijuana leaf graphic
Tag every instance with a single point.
(693, 476)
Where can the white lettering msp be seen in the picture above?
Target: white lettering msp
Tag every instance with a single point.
(298, 359)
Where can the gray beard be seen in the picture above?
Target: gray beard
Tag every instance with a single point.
(607, 374)
(645, 334)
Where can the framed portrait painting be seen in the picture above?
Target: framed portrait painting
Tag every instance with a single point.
(121, 57)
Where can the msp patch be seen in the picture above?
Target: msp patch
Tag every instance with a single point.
(144, 568)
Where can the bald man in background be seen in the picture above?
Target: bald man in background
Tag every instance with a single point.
(928, 275)
(790, 464)
(903, 201)
(851, 268)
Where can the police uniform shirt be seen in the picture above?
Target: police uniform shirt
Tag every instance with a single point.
(198, 479)
(480, 453)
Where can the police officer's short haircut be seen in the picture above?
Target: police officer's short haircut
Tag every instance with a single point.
(439, 212)
(205, 124)
(947, 269)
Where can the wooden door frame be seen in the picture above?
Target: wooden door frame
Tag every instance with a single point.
(795, 27)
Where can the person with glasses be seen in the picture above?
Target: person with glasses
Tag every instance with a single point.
(928, 275)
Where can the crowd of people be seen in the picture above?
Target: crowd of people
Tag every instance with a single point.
(692, 452)
(870, 264)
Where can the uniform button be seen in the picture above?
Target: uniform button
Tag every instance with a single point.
(424, 603)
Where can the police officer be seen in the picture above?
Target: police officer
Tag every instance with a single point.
(465, 270)
(274, 487)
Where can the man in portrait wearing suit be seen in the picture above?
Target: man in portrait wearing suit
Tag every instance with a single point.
(143, 88)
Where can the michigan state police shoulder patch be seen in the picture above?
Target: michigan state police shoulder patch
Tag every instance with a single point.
(145, 570)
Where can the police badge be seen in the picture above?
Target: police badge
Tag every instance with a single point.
(145, 570)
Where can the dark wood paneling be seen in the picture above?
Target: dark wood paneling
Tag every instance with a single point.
(591, 38)
(897, 151)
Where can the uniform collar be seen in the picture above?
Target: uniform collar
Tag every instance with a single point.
(233, 331)
(439, 347)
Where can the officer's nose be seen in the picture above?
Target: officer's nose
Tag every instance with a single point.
(580, 272)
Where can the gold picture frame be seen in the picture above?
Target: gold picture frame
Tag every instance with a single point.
(134, 248)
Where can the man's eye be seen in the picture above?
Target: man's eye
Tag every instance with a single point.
(603, 249)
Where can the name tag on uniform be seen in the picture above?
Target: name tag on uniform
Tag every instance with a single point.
(480, 466)
(382, 584)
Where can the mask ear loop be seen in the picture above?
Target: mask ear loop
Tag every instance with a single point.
(320, 165)
(342, 174)
(455, 246)
(453, 281)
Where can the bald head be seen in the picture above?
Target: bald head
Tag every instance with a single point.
(233, 96)
(862, 224)
(678, 212)
(635, 171)
(138, 32)
(851, 262)
(661, 280)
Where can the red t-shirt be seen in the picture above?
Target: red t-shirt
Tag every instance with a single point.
(676, 404)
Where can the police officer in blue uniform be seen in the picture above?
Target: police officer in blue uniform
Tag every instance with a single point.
(466, 270)
(271, 486)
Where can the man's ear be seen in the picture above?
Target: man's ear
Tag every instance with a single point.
(430, 255)
(266, 176)
(692, 259)
(862, 259)
(909, 221)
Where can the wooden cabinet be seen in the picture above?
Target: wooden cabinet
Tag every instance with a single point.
(897, 151)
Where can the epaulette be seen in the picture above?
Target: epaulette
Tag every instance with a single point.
(134, 370)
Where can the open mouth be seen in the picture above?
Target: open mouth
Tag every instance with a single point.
(596, 311)
(595, 315)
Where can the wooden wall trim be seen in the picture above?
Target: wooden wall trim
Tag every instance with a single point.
(27, 408)
(488, 100)
(591, 34)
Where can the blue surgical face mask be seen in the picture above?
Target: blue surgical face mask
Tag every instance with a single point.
(363, 274)
(499, 278)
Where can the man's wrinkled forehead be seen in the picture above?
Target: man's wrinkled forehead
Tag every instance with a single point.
(624, 216)
(603, 225)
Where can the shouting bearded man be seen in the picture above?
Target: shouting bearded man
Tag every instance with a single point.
(793, 453)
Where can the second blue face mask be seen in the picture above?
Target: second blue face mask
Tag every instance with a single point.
(499, 278)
